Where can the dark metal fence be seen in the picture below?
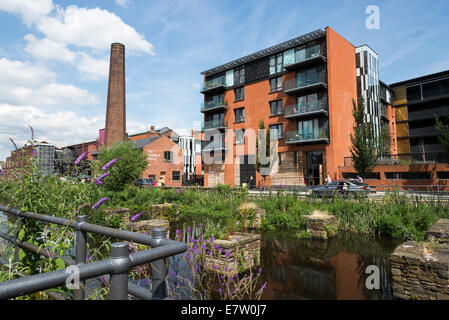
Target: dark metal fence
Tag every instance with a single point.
(406, 158)
(117, 265)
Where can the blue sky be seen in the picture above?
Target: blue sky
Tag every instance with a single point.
(54, 54)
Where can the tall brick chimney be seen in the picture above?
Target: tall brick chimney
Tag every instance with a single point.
(115, 129)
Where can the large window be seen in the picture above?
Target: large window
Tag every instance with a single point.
(280, 131)
(175, 176)
(239, 114)
(239, 94)
(275, 84)
(312, 129)
(275, 107)
(276, 63)
(311, 76)
(408, 175)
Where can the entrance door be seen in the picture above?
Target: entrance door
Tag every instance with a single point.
(314, 159)
(248, 170)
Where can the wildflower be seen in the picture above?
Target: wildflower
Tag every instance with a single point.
(222, 284)
(236, 275)
(188, 230)
(220, 250)
(222, 277)
(212, 239)
(201, 224)
(214, 266)
(110, 163)
(136, 216)
(102, 280)
(177, 231)
(260, 270)
(34, 152)
(229, 294)
(226, 268)
(99, 203)
(399, 227)
(87, 257)
(264, 286)
(77, 161)
(238, 239)
(220, 290)
(443, 235)
(104, 175)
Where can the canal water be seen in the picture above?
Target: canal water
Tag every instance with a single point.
(296, 269)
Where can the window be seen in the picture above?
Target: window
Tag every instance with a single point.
(408, 175)
(275, 107)
(275, 84)
(443, 175)
(276, 63)
(239, 114)
(279, 128)
(295, 157)
(239, 136)
(168, 155)
(239, 76)
(175, 176)
(239, 94)
(279, 158)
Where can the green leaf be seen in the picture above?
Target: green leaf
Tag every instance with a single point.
(21, 234)
(60, 263)
(22, 254)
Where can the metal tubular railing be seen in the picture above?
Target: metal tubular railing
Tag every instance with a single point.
(117, 265)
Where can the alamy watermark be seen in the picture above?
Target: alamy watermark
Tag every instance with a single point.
(373, 280)
(372, 22)
(73, 277)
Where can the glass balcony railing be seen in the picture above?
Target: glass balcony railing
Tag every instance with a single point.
(213, 105)
(319, 135)
(383, 111)
(302, 83)
(215, 124)
(304, 56)
(213, 84)
(307, 108)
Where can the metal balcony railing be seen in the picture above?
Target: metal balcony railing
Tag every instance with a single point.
(308, 108)
(406, 158)
(304, 57)
(318, 136)
(214, 84)
(215, 124)
(300, 84)
(117, 266)
(423, 132)
(214, 105)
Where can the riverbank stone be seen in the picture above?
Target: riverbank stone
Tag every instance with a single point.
(439, 231)
(321, 225)
(165, 211)
(125, 213)
(420, 271)
(253, 215)
(240, 252)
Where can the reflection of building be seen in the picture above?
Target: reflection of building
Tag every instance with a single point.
(303, 89)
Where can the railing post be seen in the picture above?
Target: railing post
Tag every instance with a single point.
(118, 289)
(80, 253)
(159, 286)
(18, 223)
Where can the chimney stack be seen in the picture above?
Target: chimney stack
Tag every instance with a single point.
(115, 129)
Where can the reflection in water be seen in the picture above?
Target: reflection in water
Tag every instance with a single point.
(320, 269)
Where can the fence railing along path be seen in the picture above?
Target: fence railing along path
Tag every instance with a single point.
(116, 266)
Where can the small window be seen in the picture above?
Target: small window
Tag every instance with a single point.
(279, 128)
(239, 114)
(275, 107)
(239, 76)
(175, 176)
(239, 94)
(276, 63)
(168, 155)
(276, 84)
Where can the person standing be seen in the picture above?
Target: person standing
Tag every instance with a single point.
(359, 179)
(328, 179)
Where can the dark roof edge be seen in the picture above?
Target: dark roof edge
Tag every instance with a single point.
(422, 78)
(268, 51)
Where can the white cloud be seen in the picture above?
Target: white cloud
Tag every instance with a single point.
(47, 49)
(24, 83)
(30, 10)
(122, 3)
(92, 28)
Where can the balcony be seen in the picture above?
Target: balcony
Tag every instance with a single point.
(305, 58)
(313, 108)
(383, 112)
(319, 136)
(207, 146)
(428, 113)
(215, 124)
(423, 132)
(214, 106)
(295, 86)
(214, 85)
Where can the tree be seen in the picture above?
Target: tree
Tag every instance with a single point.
(263, 166)
(129, 166)
(384, 141)
(443, 131)
(363, 149)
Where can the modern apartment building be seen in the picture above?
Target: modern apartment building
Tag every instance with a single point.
(303, 90)
(417, 103)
